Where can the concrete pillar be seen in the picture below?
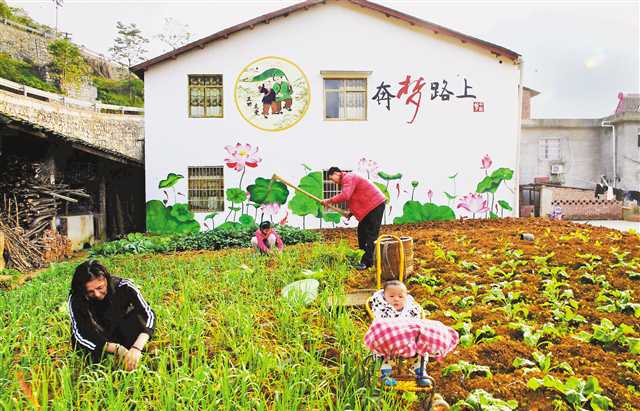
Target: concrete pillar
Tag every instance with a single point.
(119, 215)
(101, 233)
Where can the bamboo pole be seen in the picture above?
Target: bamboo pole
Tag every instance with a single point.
(311, 196)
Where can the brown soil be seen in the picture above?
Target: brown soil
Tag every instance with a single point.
(485, 242)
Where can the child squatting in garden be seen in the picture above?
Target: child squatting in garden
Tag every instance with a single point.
(266, 238)
(398, 330)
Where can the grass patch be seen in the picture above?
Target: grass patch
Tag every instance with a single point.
(19, 16)
(23, 73)
(224, 340)
(117, 91)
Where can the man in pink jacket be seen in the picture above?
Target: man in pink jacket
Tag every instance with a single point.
(366, 203)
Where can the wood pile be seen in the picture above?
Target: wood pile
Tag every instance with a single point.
(29, 204)
(24, 255)
(56, 247)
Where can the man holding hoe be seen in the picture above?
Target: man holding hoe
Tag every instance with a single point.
(366, 203)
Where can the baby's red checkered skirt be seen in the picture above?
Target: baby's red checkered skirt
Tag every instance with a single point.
(408, 337)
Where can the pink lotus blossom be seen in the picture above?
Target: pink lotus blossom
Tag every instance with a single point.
(270, 209)
(430, 195)
(486, 162)
(474, 203)
(242, 155)
(285, 219)
(368, 166)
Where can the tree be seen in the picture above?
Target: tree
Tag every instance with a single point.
(129, 47)
(69, 66)
(174, 34)
(5, 11)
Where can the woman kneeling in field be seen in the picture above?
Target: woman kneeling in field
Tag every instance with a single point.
(108, 314)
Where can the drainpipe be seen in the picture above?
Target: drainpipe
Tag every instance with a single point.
(613, 149)
(516, 201)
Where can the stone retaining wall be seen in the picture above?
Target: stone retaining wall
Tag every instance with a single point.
(115, 133)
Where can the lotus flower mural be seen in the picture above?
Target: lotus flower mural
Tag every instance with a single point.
(271, 210)
(271, 197)
(241, 156)
(486, 162)
(368, 167)
(473, 203)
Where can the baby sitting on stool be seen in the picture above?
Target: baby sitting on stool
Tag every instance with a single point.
(399, 331)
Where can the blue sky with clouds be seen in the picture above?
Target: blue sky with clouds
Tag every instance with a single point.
(578, 54)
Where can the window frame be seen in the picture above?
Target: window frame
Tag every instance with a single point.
(343, 76)
(221, 87)
(543, 149)
(220, 203)
(326, 181)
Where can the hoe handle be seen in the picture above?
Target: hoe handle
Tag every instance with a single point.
(311, 196)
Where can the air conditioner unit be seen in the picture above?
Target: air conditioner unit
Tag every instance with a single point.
(557, 169)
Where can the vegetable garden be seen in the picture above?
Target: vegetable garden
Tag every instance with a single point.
(548, 324)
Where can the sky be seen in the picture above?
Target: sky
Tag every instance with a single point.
(578, 54)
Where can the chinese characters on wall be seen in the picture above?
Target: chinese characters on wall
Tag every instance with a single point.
(410, 91)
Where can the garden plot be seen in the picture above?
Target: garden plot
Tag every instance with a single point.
(550, 324)
(540, 321)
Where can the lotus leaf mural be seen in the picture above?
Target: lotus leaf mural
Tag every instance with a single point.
(270, 197)
(265, 191)
(415, 212)
(170, 219)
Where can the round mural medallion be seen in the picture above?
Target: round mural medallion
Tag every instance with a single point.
(272, 93)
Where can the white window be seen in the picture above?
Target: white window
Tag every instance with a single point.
(345, 95)
(549, 149)
(205, 95)
(206, 188)
(331, 189)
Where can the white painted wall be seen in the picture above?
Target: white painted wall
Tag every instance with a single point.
(446, 137)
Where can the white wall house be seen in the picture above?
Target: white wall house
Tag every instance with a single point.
(339, 57)
(580, 152)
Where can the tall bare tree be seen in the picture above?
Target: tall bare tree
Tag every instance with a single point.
(174, 34)
(129, 47)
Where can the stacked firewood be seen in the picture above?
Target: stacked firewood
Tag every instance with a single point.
(30, 199)
(56, 247)
(24, 255)
(28, 204)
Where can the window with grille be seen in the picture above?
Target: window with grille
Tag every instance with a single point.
(331, 189)
(345, 98)
(206, 188)
(549, 149)
(205, 95)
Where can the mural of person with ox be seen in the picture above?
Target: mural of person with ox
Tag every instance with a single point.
(283, 93)
(277, 91)
(269, 98)
(281, 85)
